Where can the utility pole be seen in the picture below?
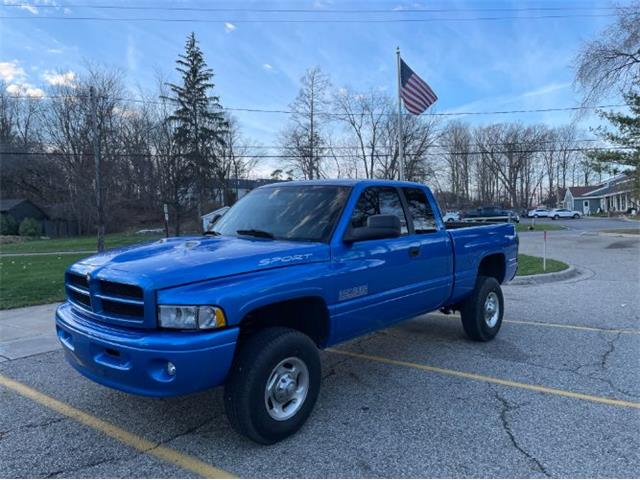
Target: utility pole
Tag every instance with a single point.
(96, 156)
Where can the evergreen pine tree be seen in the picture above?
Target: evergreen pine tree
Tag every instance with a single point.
(199, 122)
(626, 134)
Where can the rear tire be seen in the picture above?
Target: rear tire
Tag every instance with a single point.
(556, 217)
(482, 311)
(576, 216)
(273, 385)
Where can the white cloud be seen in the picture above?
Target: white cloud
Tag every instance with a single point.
(229, 27)
(53, 78)
(54, 50)
(25, 89)
(553, 87)
(11, 70)
(267, 66)
(31, 7)
(132, 54)
(23, 6)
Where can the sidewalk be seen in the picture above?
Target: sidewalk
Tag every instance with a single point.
(27, 331)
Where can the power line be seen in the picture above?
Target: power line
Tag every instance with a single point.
(479, 152)
(339, 114)
(301, 10)
(328, 20)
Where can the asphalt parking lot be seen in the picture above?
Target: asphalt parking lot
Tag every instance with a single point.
(556, 394)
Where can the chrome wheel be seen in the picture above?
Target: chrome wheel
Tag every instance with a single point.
(286, 388)
(491, 309)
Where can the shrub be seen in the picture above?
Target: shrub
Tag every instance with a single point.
(8, 225)
(29, 227)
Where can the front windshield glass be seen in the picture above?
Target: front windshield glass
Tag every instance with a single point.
(305, 213)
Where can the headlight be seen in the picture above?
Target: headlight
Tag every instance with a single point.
(191, 317)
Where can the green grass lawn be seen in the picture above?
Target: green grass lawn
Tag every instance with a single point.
(539, 227)
(528, 265)
(75, 244)
(32, 280)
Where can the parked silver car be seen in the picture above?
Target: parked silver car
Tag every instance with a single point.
(557, 213)
(538, 212)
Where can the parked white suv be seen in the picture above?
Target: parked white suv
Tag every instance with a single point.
(538, 212)
(451, 217)
(557, 213)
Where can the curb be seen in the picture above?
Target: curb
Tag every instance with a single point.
(621, 234)
(541, 278)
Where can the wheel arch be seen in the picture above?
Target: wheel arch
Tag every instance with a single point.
(493, 265)
(308, 314)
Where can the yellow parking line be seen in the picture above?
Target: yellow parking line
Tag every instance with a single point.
(575, 327)
(498, 381)
(552, 325)
(141, 444)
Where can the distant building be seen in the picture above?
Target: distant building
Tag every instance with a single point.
(21, 208)
(238, 188)
(614, 195)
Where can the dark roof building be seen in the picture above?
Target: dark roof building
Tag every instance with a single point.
(21, 208)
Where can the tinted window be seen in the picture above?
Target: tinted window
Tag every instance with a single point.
(421, 211)
(288, 213)
(378, 201)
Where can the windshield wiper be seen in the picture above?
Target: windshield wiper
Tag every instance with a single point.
(212, 232)
(255, 233)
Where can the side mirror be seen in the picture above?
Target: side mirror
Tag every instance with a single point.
(213, 218)
(378, 227)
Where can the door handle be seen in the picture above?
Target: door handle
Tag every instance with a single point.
(414, 251)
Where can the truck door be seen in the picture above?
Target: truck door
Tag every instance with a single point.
(434, 262)
(378, 282)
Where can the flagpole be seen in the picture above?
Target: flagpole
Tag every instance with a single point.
(400, 142)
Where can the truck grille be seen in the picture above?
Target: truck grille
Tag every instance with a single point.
(116, 302)
(77, 287)
(121, 289)
(78, 280)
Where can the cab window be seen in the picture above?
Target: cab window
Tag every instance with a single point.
(378, 201)
(420, 210)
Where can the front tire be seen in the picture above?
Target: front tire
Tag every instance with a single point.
(482, 311)
(576, 216)
(556, 217)
(273, 385)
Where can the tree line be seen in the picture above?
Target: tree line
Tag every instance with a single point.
(347, 133)
(178, 146)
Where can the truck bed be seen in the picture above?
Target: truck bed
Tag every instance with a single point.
(475, 241)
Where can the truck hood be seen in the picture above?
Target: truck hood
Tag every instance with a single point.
(178, 261)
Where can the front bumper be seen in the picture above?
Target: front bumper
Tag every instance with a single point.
(135, 361)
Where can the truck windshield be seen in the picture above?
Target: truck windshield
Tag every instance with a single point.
(304, 213)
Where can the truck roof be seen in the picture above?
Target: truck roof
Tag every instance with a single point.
(344, 182)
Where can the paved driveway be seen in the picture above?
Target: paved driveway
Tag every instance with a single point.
(556, 394)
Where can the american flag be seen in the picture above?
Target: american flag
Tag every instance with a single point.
(415, 92)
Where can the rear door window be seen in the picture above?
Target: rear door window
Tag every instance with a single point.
(378, 201)
(421, 212)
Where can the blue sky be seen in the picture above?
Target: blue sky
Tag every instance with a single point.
(473, 65)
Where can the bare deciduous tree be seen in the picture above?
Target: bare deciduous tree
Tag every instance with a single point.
(612, 61)
(303, 141)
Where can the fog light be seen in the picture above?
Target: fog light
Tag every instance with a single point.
(171, 369)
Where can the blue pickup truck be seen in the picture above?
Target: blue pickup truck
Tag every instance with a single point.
(290, 269)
